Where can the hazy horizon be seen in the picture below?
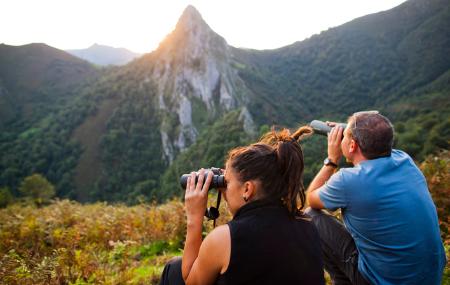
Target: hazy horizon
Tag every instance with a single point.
(140, 26)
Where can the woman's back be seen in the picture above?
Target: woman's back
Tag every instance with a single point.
(268, 246)
(264, 243)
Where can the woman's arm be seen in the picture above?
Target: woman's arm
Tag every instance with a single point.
(213, 257)
(202, 262)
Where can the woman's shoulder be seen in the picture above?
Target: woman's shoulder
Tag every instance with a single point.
(219, 234)
(217, 247)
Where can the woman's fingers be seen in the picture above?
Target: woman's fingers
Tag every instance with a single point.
(190, 186)
(207, 182)
(201, 185)
(201, 178)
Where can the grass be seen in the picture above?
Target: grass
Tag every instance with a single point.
(70, 243)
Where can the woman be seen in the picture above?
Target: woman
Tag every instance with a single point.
(268, 241)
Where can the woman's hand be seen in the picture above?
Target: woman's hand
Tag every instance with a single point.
(196, 197)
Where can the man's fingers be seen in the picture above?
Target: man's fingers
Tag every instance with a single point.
(331, 135)
(339, 133)
(335, 134)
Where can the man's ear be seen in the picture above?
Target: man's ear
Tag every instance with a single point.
(353, 146)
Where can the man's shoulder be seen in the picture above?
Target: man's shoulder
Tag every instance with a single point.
(349, 173)
(399, 154)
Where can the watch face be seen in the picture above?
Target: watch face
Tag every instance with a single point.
(327, 162)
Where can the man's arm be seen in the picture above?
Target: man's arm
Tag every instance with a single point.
(312, 195)
(334, 154)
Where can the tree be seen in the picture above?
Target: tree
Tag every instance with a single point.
(37, 188)
(5, 197)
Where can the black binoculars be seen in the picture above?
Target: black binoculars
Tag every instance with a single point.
(321, 128)
(218, 180)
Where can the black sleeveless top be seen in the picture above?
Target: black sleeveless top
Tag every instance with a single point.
(268, 246)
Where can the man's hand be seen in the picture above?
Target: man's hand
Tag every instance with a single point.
(334, 144)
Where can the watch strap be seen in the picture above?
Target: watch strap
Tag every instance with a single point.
(328, 162)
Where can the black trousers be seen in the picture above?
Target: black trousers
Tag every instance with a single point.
(340, 255)
(172, 273)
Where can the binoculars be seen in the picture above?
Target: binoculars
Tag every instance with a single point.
(218, 180)
(321, 128)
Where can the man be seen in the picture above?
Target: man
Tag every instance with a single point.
(391, 233)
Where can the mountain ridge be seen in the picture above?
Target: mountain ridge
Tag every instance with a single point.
(104, 55)
(130, 132)
(37, 74)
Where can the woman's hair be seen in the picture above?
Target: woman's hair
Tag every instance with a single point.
(277, 162)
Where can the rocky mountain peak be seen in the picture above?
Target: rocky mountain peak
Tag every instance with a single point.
(193, 74)
(190, 17)
(192, 37)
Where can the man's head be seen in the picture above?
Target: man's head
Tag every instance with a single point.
(371, 133)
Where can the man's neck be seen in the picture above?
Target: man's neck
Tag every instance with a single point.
(358, 159)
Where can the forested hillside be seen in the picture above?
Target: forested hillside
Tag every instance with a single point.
(127, 133)
(36, 79)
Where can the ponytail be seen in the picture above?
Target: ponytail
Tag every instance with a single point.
(277, 161)
(302, 133)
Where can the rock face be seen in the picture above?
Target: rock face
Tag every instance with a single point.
(194, 78)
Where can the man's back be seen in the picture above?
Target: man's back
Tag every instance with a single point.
(390, 214)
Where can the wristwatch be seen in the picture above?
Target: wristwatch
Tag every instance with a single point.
(328, 162)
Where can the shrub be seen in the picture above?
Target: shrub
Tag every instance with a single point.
(37, 188)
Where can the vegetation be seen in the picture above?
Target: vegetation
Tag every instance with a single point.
(6, 197)
(96, 134)
(436, 169)
(70, 243)
(131, 152)
(37, 188)
(209, 150)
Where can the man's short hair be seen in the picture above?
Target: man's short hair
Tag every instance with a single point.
(373, 133)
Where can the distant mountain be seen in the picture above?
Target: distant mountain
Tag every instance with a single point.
(37, 76)
(105, 55)
(129, 132)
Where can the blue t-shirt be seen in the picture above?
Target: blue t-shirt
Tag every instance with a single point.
(388, 210)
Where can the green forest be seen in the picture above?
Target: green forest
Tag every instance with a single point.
(96, 134)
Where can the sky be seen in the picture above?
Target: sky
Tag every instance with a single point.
(140, 25)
